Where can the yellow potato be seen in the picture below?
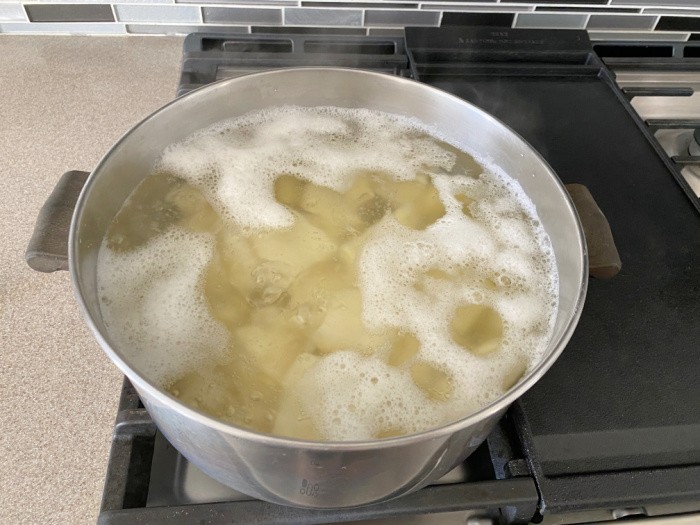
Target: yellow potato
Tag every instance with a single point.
(422, 211)
(477, 328)
(299, 367)
(403, 348)
(432, 381)
(273, 349)
(342, 327)
(288, 190)
(226, 303)
(195, 213)
(331, 211)
(237, 259)
(299, 246)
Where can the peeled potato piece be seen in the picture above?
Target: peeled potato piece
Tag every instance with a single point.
(477, 328)
(342, 328)
(331, 211)
(403, 348)
(432, 381)
(273, 349)
(238, 260)
(289, 189)
(298, 247)
(417, 204)
(195, 213)
(226, 303)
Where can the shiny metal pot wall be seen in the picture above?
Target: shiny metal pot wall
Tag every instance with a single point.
(314, 474)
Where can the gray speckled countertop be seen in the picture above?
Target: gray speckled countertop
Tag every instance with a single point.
(64, 101)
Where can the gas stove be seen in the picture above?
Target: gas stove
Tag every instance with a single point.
(612, 431)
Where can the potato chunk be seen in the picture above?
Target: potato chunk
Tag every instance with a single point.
(288, 190)
(432, 381)
(477, 328)
(299, 247)
(331, 211)
(226, 302)
(238, 260)
(273, 349)
(195, 213)
(342, 328)
(403, 348)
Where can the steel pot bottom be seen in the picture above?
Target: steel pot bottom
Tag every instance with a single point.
(313, 474)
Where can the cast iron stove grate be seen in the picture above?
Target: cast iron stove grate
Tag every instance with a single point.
(613, 428)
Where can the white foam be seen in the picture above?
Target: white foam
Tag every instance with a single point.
(235, 164)
(153, 305)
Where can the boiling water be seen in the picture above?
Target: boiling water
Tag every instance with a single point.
(328, 274)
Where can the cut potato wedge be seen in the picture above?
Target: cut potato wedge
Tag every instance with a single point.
(299, 247)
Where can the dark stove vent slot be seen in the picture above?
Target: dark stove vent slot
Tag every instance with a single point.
(263, 46)
(353, 48)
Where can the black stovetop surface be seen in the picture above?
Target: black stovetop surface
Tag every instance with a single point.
(616, 421)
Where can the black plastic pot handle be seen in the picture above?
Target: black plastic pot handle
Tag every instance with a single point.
(603, 258)
(48, 247)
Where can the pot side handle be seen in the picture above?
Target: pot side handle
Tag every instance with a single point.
(48, 248)
(603, 258)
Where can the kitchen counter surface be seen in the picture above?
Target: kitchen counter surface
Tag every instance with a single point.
(64, 101)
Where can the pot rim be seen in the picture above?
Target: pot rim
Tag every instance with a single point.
(142, 383)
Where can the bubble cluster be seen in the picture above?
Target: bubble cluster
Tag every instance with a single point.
(153, 306)
(235, 163)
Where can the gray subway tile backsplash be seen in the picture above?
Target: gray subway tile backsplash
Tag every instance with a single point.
(322, 17)
(386, 31)
(641, 35)
(69, 13)
(309, 30)
(621, 22)
(182, 29)
(391, 17)
(50, 28)
(550, 20)
(12, 12)
(158, 13)
(482, 8)
(616, 19)
(359, 5)
(242, 15)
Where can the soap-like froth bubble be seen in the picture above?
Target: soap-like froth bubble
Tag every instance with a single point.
(153, 305)
(315, 144)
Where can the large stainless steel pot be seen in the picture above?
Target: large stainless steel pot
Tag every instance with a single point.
(302, 473)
